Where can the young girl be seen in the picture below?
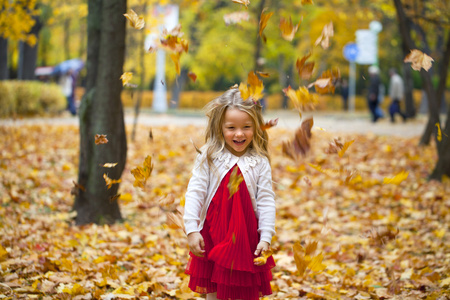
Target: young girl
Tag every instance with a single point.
(228, 230)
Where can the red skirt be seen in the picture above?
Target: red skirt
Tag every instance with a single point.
(231, 236)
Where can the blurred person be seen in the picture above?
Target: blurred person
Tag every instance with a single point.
(344, 94)
(227, 230)
(374, 93)
(396, 92)
(67, 82)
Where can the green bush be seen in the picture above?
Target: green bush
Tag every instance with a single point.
(29, 98)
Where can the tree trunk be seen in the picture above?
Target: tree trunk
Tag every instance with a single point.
(410, 108)
(442, 166)
(4, 74)
(101, 112)
(28, 54)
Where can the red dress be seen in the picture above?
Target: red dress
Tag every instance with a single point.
(231, 236)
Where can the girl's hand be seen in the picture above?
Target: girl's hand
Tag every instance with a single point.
(196, 244)
(262, 246)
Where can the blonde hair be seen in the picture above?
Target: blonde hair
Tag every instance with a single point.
(215, 111)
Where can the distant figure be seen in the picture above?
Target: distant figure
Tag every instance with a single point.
(67, 84)
(344, 94)
(373, 93)
(396, 91)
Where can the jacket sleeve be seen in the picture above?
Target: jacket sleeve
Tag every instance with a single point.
(196, 195)
(265, 203)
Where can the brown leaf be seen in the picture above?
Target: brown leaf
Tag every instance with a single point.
(300, 145)
(270, 124)
(304, 69)
(100, 139)
(192, 76)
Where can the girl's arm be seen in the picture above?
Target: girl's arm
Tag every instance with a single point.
(196, 195)
(265, 203)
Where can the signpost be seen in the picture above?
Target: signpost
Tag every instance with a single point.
(351, 52)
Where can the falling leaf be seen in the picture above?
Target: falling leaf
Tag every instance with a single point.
(263, 74)
(304, 69)
(110, 182)
(326, 83)
(439, 132)
(175, 220)
(236, 17)
(235, 181)
(419, 60)
(263, 23)
(397, 179)
(300, 145)
(176, 59)
(253, 89)
(301, 98)
(100, 139)
(262, 260)
(270, 124)
(246, 3)
(173, 41)
(307, 2)
(79, 186)
(141, 174)
(126, 77)
(345, 147)
(135, 21)
(288, 30)
(109, 165)
(324, 38)
(192, 76)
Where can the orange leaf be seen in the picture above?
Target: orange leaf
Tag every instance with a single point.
(253, 89)
(262, 260)
(301, 98)
(109, 182)
(192, 76)
(100, 139)
(419, 60)
(263, 23)
(288, 30)
(141, 174)
(269, 124)
(135, 21)
(304, 69)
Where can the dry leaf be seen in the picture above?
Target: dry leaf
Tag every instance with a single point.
(126, 77)
(141, 174)
(173, 41)
(300, 145)
(326, 83)
(304, 69)
(345, 147)
(263, 23)
(235, 181)
(301, 98)
(262, 260)
(419, 60)
(100, 139)
(324, 38)
(270, 124)
(246, 3)
(109, 165)
(109, 182)
(192, 76)
(135, 21)
(253, 89)
(288, 30)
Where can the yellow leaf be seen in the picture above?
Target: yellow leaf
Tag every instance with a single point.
(75, 290)
(300, 260)
(141, 174)
(419, 60)
(262, 260)
(135, 21)
(176, 60)
(288, 30)
(345, 147)
(109, 165)
(3, 253)
(316, 263)
(110, 182)
(126, 198)
(263, 23)
(397, 179)
(439, 132)
(235, 181)
(301, 98)
(126, 77)
(253, 89)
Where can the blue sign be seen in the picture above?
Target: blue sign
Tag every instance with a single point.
(351, 52)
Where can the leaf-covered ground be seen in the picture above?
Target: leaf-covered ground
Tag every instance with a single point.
(379, 240)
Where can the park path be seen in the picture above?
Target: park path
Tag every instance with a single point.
(339, 122)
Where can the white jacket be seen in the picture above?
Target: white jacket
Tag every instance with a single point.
(396, 87)
(204, 182)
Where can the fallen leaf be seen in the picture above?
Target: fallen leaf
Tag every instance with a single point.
(419, 60)
(176, 60)
(345, 147)
(262, 260)
(300, 145)
(253, 89)
(397, 179)
(270, 124)
(301, 98)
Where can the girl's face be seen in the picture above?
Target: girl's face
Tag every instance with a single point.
(238, 130)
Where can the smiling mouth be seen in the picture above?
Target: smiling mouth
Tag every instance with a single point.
(239, 142)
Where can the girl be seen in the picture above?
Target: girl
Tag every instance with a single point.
(228, 229)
